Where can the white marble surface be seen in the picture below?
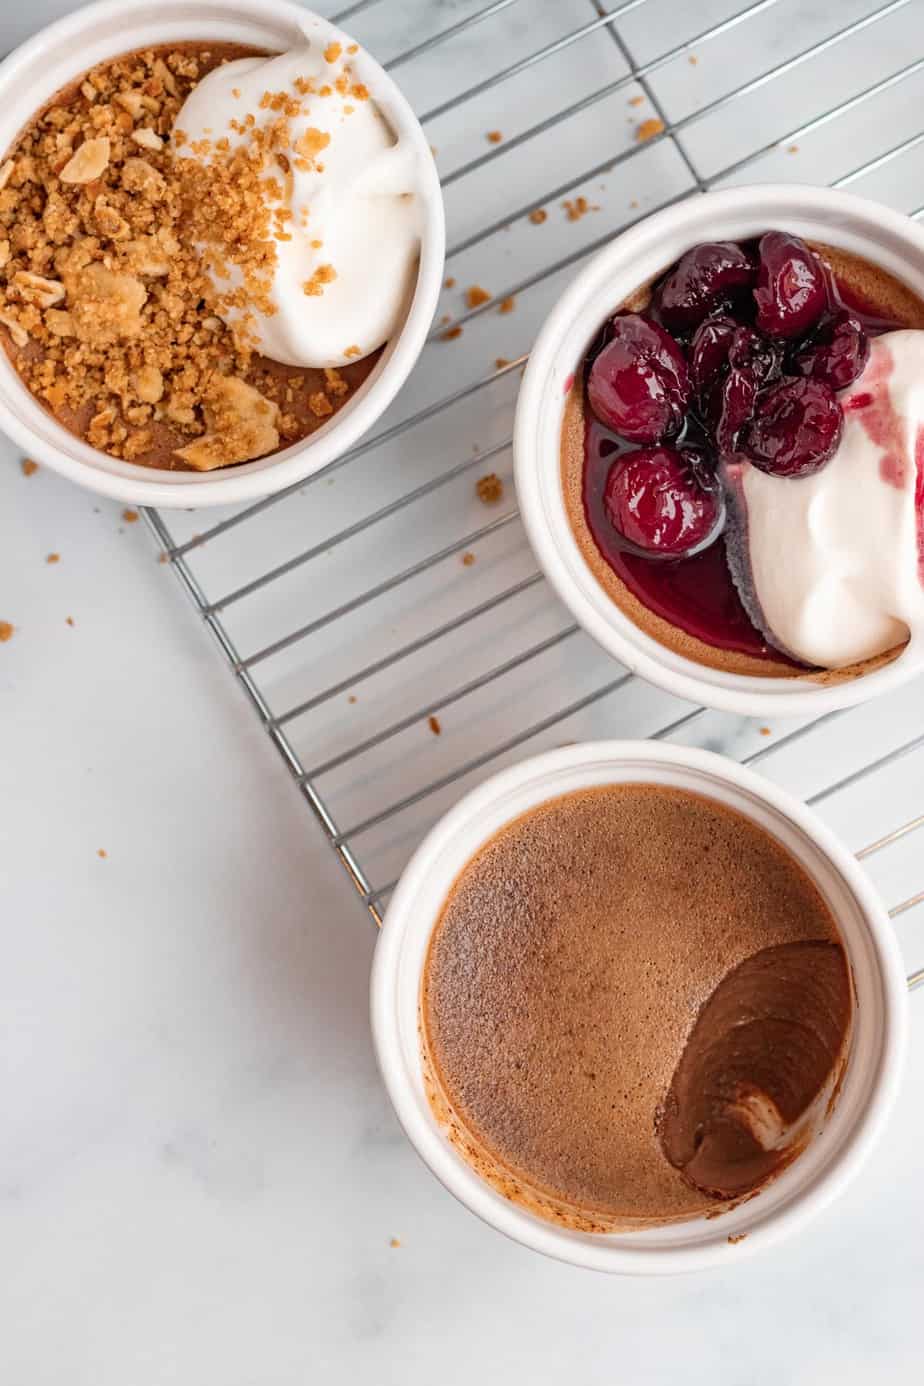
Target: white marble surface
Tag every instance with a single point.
(200, 1176)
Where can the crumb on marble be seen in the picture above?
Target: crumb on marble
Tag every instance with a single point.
(578, 207)
(395, 1242)
(69, 621)
(648, 129)
(468, 559)
(452, 333)
(102, 853)
(538, 215)
(494, 137)
(475, 295)
(489, 488)
(500, 362)
(53, 558)
(765, 731)
(6, 631)
(130, 516)
(507, 304)
(449, 283)
(434, 724)
(29, 468)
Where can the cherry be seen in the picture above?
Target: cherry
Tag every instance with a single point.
(709, 350)
(707, 276)
(751, 362)
(790, 292)
(638, 385)
(730, 406)
(795, 429)
(836, 352)
(660, 500)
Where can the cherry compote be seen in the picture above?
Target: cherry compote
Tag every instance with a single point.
(739, 356)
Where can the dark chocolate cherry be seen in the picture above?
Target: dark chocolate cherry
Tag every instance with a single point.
(659, 500)
(836, 352)
(795, 429)
(790, 292)
(703, 279)
(638, 385)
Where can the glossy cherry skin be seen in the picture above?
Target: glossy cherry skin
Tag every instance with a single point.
(706, 277)
(835, 353)
(751, 362)
(638, 385)
(795, 429)
(658, 500)
(790, 293)
(708, 351)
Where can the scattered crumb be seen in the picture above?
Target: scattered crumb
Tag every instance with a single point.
(692, 59)
(447, 317)
(578, 208)
(507, 305)
(351, 698)
(163, 558)
(129, 516)
(494, 137)
(736, 1237)
(648, 129)
(765, 731)
(634, 202)
(475, 295)
(434, 724)
(6, 631)
(69, 620)
(395, 1242)
(538, 215)
(793, 149)
(29, 468)
(449, 283)
(636, 100)
(500, 362)
(452, 333)
(467, 560)
(490, 488)
(101, 852)
(53, 558)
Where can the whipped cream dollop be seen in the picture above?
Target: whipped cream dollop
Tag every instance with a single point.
(831, 566)
(343, 192)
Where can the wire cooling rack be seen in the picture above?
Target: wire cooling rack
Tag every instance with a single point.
(389, 628)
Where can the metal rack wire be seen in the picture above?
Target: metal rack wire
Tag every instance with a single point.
(417, 622)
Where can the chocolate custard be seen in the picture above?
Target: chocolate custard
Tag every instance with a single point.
(635, 1008)
(691, 605)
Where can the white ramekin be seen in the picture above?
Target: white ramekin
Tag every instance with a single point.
(840, 219)
(32, 74)
(874, 1064)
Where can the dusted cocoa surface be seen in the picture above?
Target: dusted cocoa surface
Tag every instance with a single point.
(565, 975)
